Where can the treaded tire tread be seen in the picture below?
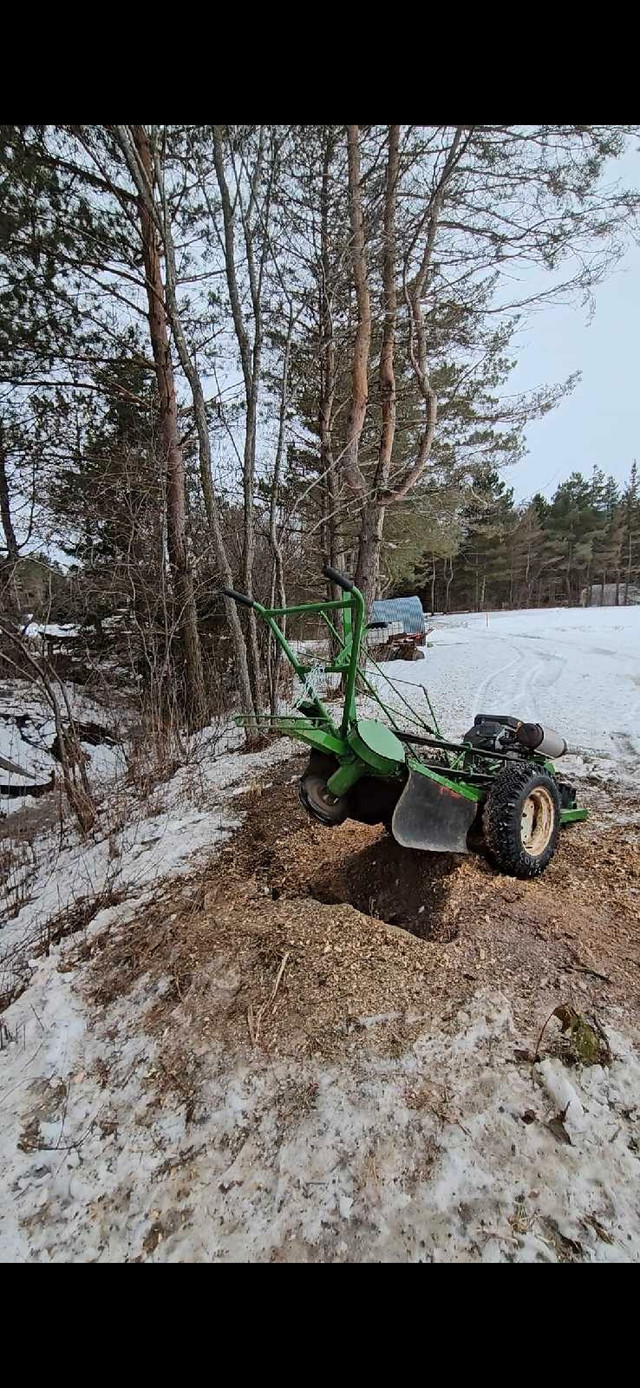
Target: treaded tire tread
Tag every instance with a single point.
(502, 820)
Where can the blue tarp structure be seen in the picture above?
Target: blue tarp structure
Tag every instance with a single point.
(405, 610)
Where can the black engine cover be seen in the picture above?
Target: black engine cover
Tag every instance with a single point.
(489, 730)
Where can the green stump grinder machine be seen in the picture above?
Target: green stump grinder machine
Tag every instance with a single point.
(496, 791)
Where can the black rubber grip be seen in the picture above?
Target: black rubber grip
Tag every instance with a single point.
(237, 597)
(347, 584)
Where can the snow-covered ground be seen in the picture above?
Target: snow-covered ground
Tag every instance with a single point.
(371, 1171)
(27, 736)
(575, 670)
(441, 1154)
(135, 848)
(38, 630)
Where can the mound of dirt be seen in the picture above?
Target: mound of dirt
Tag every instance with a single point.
(300, 939)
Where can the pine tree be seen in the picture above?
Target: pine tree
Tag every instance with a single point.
(631, 529)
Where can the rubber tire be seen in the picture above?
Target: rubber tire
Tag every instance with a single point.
(502, 820)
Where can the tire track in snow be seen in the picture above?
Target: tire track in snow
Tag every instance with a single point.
(515, 686)
(532, 682)
(483, 703)
(581, 678)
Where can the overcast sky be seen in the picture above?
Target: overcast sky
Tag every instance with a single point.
(600, 422)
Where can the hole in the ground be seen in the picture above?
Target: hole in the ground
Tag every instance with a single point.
(398, 885)
(292, 856)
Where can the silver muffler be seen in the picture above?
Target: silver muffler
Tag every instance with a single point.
(538, 739)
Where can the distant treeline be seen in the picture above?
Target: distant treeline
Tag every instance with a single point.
(582, 546)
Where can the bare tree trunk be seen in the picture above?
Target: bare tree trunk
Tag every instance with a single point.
(448, 582)
(372, 525)
(204, 447)
(179, 557)
(277, 577)
(413, 295)
(330, 484)
(374, 508)
(5, 510)
(360, 364)
(250, 361)
(527, 572)
(8, 566)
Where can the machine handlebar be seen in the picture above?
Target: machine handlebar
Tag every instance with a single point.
(347, 584)
(237, 597)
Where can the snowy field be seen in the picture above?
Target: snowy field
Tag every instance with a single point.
(574, 670)
(363, 1176)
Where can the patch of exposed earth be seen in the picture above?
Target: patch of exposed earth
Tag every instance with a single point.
(299, 937)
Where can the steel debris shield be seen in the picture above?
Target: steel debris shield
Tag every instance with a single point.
(432, 817)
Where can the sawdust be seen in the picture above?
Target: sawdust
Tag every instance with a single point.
(301, 940)
(217, 963)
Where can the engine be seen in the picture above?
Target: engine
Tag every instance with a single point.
(496, 732)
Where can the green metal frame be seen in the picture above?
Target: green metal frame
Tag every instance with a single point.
(353, 618)
(573, 816)
(356, 754)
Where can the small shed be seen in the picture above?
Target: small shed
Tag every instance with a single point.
(405, 610)
(396, 628)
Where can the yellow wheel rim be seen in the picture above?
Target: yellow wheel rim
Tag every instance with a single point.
(538, 819)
